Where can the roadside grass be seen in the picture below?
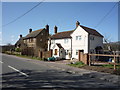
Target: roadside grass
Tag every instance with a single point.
(77, 64)
(23, 56)
(110, 66)
(81, 64)
(29, 57)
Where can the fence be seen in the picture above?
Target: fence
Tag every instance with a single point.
(92, 59)
(28, 51)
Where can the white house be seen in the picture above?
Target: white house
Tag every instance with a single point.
(66, 44)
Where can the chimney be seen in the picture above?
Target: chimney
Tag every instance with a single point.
(47, 28)
(77, 23)
(30, 30)
(55, 29)
(20, 35)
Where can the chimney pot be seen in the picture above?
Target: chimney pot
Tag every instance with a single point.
(30, 30)
(20, 35)
(55, 29)
(47, 28)
(77, 23)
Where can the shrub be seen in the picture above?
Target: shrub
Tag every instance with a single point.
(18, 50)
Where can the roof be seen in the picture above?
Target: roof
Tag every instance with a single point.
(91, 31)
(61, 35)
(67, 34)
(59, 45)
(33, 34)
(19, 41)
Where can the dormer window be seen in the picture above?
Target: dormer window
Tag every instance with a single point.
(78, 37)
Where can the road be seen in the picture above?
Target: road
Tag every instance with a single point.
(25, 73)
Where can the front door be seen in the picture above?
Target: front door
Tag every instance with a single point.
(55, 51)
(62, 53)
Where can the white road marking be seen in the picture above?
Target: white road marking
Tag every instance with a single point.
(18, 71)
(1, 62)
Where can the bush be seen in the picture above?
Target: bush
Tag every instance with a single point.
(18, 50)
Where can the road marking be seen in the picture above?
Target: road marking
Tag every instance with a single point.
(18, 71)
(1, 62)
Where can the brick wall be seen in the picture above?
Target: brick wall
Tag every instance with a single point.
(83, 57)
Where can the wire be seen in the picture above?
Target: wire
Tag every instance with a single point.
(106, 15)
(23, 14)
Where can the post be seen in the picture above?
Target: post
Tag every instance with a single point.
(89, 60)
(79, 55)
(114, 62)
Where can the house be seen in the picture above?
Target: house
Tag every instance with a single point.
(20, 43)
(66, 44)
(35, 42)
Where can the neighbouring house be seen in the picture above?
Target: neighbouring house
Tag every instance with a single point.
(66, 44)
(35, 42)
(20, 43)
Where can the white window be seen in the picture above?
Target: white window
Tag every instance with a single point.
(52, 41)
(66, 52)
(76, 52)
(78, 37)
(66, 40)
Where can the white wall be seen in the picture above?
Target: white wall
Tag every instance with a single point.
(66, 46)
(79, 44)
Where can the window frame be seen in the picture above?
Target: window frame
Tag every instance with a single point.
(79, 37)
(66, 41)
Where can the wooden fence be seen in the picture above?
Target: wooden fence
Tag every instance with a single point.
(116, 58)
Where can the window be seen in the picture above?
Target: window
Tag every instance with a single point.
(31, 39)
(66, 52)
(40, 39)
(78, 37)
(41, 33)
(91, 38)
(76, 52)
(66, 40)
(52, 41)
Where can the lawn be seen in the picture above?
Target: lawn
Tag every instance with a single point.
(107, 68)
(77, 64)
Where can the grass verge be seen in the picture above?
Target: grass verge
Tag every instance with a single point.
(29, 57)
(77, 64)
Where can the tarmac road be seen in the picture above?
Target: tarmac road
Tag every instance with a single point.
(25, 73)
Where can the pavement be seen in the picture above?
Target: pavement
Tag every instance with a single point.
(27, 73)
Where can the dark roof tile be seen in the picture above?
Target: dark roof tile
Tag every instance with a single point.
(91, 31)
(61, 35)
(66, 34)
(33, 34)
